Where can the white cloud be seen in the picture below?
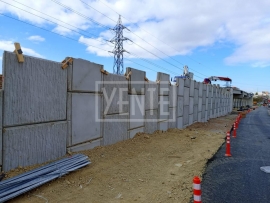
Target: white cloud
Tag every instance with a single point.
(9, 46)
(183, 25)
(0, 58)
(36, 38)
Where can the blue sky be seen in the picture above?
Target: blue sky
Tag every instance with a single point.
(213, 38)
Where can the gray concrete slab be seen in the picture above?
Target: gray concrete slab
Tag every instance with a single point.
(179, 123)
(186, 115)
(196, 85)
(151, 95)
(151, 119)
(33, 144)
(86, 117)
(85, 146)
(191, 88)
(204, 86)
(115, 128)
(187, 82)
(163, 108)
(186, 96)
(37, 85)
(133, 132)
(84, 76)
(136, 111)
(180, 106)
(204, 97)
(191, 105)
(196, 96)
(199, 116)
(195, 113)
(200, 104)
(203, 111)
(173, 96)
(69, 133)
(173, 118)
(164, 126)
(190, 120)
(200, 89)
(115, 91)
(136, 81)
(180, 89)
(164, 80)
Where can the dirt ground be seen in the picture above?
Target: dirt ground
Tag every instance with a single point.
(156, 167)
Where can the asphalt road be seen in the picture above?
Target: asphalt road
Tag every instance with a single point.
(239, 178)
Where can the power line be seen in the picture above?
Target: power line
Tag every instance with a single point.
(50, 20)
(86, 17)
(50, 31)
(58, 20)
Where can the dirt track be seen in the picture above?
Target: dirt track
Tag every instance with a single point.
(148, 168)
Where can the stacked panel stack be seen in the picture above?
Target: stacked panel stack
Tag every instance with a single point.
(200, 104)
(136, 90)
(173, 106)
(191, 102)
(186, 102)
(34, 111)
(163, 101)
(180, 102)
(196, 101)
(84, 105)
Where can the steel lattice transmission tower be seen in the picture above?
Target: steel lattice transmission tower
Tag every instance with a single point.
(118, 47)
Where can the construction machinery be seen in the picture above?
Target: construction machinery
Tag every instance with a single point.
(215, 78)
(186, 74)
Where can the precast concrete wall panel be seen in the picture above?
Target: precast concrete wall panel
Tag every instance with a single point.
(151, 95)
(86, 146)
(191, 105)
(85, 121)
(151, 118)
(164, 80)
(179, 122)
(186, 115)
(187, 82)
(164, 126)
(196, 85)
(172, 121)
(203, 111)
(33, 144)
(191, 88)
(173, 96)
(136, 81)
(200, 116)
(195, 113)
(200, 104)
(204, 97)
(180, 88)
(115, 128)
(34, 91)
(196, 96)
(136, 111)
(133, 132)
(180, 106)
(186, 96)
(115, 94)
(83, 76)
(200, 89)
(190, 121)
(163, 108)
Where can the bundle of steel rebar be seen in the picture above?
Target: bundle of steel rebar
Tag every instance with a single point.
(20, 184)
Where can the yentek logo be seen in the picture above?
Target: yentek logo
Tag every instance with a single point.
(117, 102)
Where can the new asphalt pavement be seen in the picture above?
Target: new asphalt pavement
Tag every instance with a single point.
(239, 178)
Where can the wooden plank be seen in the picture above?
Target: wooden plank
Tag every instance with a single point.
(66, 62)
(19, 52)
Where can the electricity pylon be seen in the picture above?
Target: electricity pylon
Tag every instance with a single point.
(118, 47)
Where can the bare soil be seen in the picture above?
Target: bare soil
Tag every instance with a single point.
(156, 167)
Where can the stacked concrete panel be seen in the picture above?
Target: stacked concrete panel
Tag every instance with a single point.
(186, 102)
(180, 102)
(151, 107)
(191, 101)
(115, 109)
(196, 101)
(84, 105)
(136, 90)
(173, 106)
(34, 111)
(210, 95)
(163, 98)
(200, 103)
